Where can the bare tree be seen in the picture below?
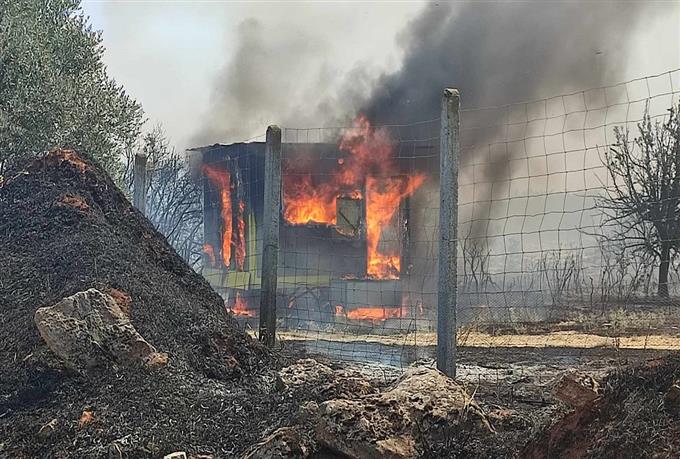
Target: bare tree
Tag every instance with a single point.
(643, 203)
(475, 263)
(173, 200)
(622, 274)
(562, 271)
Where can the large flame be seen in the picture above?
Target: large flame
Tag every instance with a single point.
(222, 181)
(370, 165)
(382, 200)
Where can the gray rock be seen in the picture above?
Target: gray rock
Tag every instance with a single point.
(89, 329)
(315, 378)
(424, 405)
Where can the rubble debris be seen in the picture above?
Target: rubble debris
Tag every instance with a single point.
(49, 428)
(283, 443)
(576, 389)
(88, 329)
(49, 252)
(85, 418)
(311, 375)
(423, 405)
(176, 455)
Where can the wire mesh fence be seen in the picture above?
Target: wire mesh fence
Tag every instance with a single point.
(564, 206)
(568, 223)
(232, 179)
(358, 238)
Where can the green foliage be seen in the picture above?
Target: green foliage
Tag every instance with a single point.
(54, 90)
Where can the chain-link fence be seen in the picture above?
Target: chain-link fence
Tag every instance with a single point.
(568, 223)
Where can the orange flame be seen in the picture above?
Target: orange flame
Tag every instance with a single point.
(382, 201)
(375, 313)
(306, 203)
(240, 236)
(371, 164)
(241, 307)
(208, 250)
(222, 180)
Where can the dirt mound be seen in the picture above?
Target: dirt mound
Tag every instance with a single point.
(637, 415)
(65, 228)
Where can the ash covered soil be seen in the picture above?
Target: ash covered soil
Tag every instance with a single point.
(66, 228)
(637, 415)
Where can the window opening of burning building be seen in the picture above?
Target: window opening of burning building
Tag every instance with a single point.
(357, 240)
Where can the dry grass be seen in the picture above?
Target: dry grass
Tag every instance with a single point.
(471, 338)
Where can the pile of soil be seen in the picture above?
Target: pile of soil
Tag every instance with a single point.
(638, 415)
(65, 227)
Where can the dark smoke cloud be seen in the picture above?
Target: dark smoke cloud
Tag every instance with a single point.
(279, 76)
(495, 53)
(498, 53)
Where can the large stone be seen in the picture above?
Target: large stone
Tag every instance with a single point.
(89, 329)
(422, 406)
(316, 379)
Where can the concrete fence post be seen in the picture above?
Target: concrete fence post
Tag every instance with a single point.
(448, 232)
(270, 231)
(139, 183)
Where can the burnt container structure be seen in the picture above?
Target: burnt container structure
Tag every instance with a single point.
(322, 272)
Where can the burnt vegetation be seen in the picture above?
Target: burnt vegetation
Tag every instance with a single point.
(173, 194)
(643, 206)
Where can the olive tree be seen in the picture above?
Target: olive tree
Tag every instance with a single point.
(54, 88)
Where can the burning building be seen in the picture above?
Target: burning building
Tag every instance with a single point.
(350, 249)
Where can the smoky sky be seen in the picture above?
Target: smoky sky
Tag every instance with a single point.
(279, 77)
(495, 53)
(498, 53)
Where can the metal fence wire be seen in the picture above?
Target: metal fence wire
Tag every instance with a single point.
(358, 238)
(555, 264)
